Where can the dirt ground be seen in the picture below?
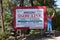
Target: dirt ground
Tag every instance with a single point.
(55, 36)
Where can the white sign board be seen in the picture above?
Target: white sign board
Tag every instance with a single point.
(29, 17)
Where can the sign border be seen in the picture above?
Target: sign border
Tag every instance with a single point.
(29, 7)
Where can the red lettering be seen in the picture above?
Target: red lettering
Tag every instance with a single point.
(26, 15)
(29, 16)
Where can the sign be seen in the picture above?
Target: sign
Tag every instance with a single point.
(32, 17)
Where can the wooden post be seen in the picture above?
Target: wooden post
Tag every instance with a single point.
(44, 1)
(31, 1)
(21, 2)
(1, 16)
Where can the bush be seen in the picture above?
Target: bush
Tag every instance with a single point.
(34, 31)
(4, 36)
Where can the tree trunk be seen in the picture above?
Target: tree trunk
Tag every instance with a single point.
(21, 2)
(1, 16)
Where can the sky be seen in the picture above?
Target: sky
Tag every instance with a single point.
(58, 3)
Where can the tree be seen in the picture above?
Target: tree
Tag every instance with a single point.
(1, 15)
(56, 21)
(8, 6)
(48, 3)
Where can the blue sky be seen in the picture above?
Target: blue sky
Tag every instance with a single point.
(58, 3)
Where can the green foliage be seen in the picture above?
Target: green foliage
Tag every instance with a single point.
(56, 21)
(34, 31)
(50, 10)
(48, 3)
(8, 6)
(4, 36)
(8, 19)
